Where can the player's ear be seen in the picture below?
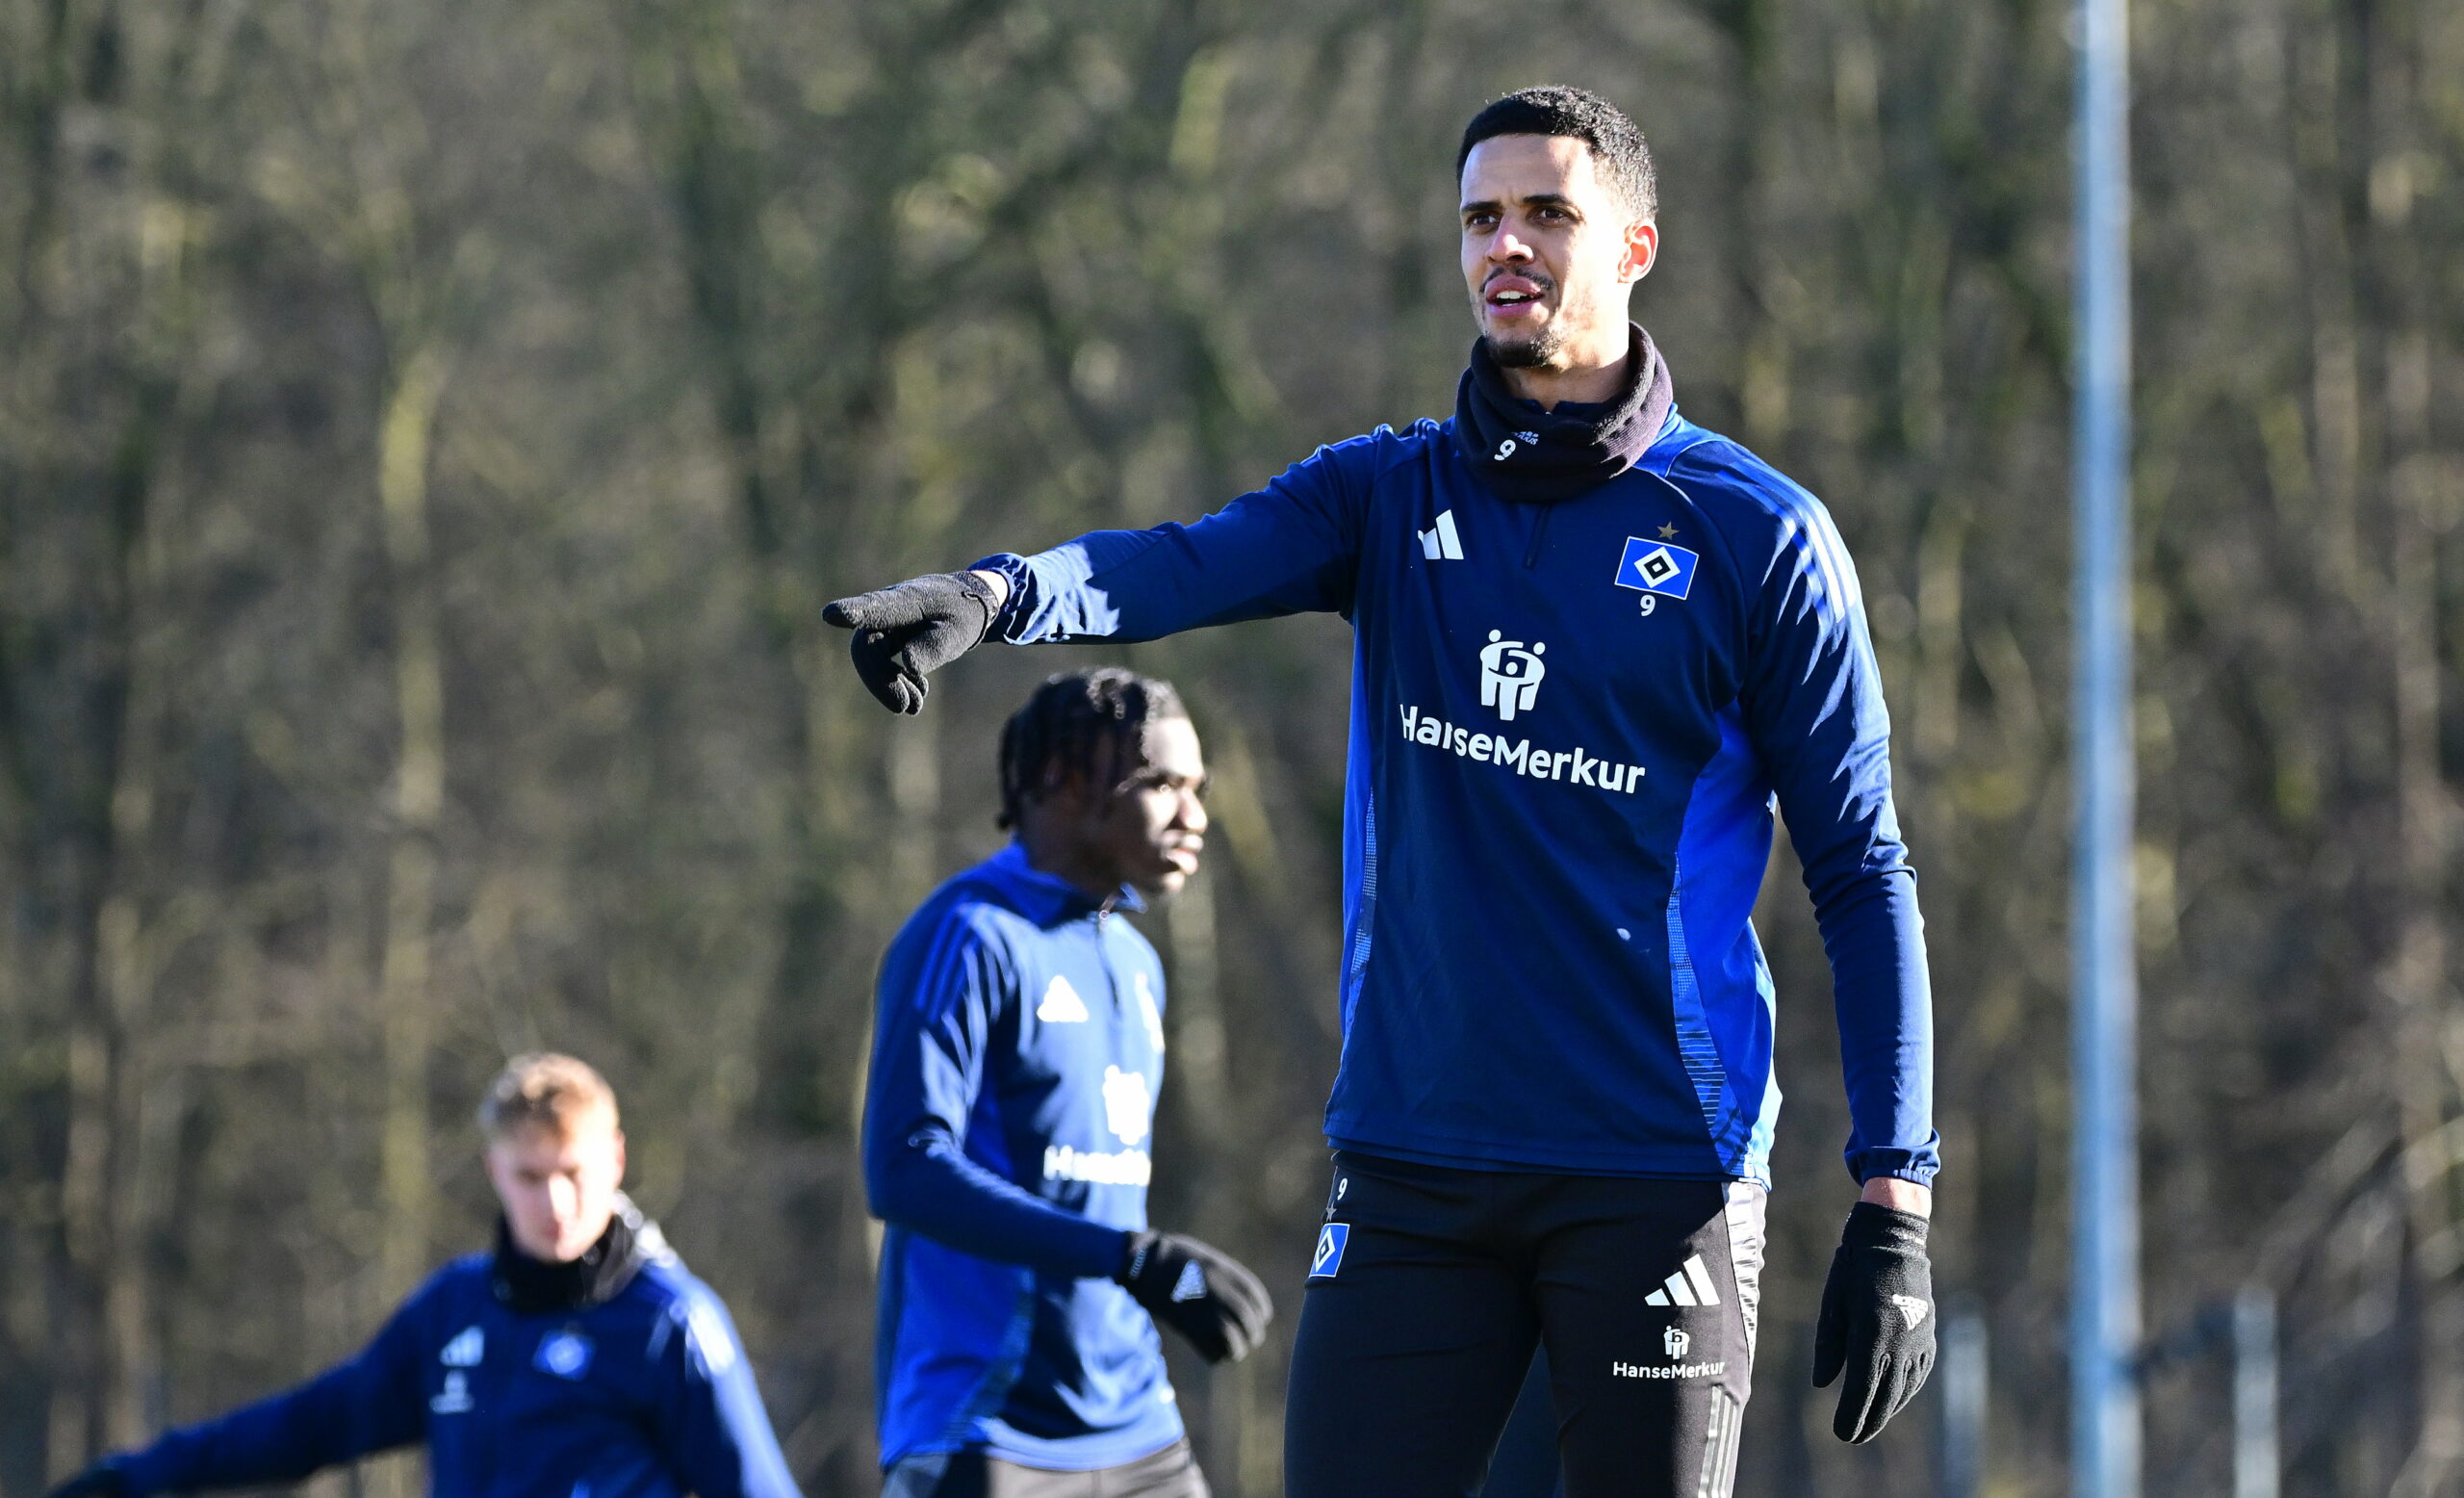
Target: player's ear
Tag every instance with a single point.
(1642, 250)
(1059, 790)
(619, 1157)
(1082, 790)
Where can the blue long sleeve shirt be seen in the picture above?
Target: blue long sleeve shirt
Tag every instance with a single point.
(646, 1396)
(1571, 724)
(1018, 1053)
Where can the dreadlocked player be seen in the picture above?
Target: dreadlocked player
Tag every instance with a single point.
(1019, 1049)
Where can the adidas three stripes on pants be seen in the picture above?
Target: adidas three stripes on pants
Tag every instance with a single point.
(1431, 1286)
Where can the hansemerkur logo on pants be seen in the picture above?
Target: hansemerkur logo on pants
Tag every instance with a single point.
(1511, 672)
(1690, 1285)
(1675, 1342)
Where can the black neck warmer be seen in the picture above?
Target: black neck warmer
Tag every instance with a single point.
(533, 1288)
(1532, 456)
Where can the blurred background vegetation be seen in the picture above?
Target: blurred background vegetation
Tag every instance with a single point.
(427, 432)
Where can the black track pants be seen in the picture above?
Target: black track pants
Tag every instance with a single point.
(1431, 1286)
(1525, 1465)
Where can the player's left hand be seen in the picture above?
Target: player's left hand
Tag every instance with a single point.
(1877, 1319)
(99, 1481)
(1199, 1291)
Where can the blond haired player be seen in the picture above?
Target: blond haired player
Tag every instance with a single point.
(576, 1359)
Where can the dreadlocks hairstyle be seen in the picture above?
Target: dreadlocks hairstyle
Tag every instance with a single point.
(1079, 723)
(1617, 144)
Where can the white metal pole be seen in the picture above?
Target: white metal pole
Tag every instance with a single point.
(1965, 1403)
(2104, 1285)
(2256, 1460)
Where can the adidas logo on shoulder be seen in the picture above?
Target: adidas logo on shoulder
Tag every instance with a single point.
(1439, 542)
(1690, 1285)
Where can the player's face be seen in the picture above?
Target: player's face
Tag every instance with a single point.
(558, 1191)
(1153, 828)
(1549, 253)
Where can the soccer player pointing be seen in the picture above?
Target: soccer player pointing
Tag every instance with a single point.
(579, 1358)
(1016, 1059)
(1595, 645)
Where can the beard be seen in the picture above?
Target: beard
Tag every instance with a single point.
(1532, 351)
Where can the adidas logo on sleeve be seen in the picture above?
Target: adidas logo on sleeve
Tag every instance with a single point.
(1690, 1285)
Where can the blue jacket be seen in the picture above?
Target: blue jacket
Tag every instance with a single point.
(1569, 726)
(1017, 1057)
(646, 1396)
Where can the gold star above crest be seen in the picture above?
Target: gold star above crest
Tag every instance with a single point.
(1668, 532)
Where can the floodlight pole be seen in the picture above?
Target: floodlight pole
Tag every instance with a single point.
(2104, 1271)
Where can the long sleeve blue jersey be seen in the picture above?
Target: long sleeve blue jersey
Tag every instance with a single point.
(1018, 1053)
(646, 1396)
(1570, 725)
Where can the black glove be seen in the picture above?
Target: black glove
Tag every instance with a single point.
(909, 631)
(99, 1481)
(1199, 1292)
(1877, 1319)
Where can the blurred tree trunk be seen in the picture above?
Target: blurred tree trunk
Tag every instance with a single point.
(98, 1405)
(361, 171)
(405, 436)
(698, 120)
(102, 313)
(2417, 978)
(1762, 326)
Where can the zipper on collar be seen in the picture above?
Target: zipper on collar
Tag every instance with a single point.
(1539, 531)
(1104, 951)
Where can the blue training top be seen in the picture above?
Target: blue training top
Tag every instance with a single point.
(646, 1396)
(1569, 725)
(1017, 1057)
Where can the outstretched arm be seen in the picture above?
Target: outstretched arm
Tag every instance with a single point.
(1289, 548)
(372, 1403)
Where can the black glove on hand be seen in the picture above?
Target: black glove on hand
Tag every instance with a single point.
(1199, 1292)
(1877, 1319)
(907, 631)
(100, 1481)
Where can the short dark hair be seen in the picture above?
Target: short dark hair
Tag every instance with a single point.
(1616, 142)
(1079, 723)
